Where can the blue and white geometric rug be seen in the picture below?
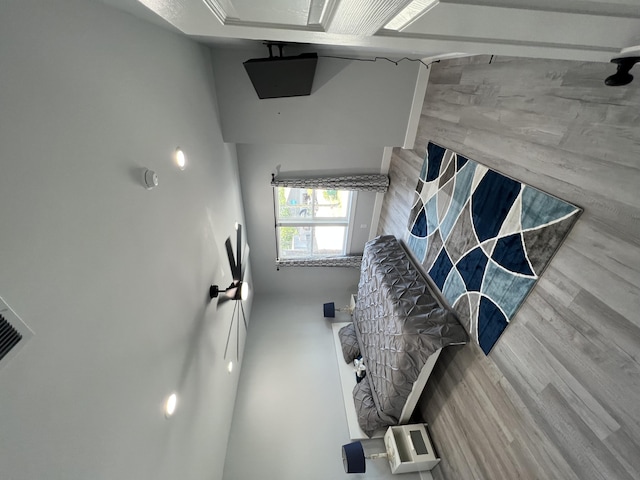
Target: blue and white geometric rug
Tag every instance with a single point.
(483, 238)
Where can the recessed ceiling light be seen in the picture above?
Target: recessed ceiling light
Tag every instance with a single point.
(244, 291)
(180, 158)
(170, 405)
(230, 367)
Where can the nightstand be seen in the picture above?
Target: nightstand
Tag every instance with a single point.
(409, 448)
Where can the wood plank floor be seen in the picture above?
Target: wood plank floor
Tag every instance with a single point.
(559, 395)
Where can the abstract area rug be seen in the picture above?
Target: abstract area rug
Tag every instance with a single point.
(483, 238)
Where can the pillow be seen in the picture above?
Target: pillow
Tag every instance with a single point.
(350, 348)
(370, 418)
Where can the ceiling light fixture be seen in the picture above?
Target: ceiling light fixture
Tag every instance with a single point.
(238, 290)
(230, 367)
(244, 291)
(180, 159)
(625, 61)
(622, 75)
(170, 405)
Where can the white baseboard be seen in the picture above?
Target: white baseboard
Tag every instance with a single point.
(377, 206)
(416, 106)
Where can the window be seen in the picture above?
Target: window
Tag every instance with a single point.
(312, 223)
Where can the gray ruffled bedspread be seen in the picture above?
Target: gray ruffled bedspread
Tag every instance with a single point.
(398, 324)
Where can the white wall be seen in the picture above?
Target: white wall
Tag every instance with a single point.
(352, 103)
(256, 163)
(111, 277)
(289, 422)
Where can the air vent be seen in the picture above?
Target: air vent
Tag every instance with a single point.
(13, 333)
(9, 337)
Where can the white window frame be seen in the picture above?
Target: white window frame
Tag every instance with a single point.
(347, 223)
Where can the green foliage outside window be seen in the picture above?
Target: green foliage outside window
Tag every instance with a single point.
(331, 196)
(286, 233)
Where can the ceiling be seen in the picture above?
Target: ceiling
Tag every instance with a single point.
(570, 29)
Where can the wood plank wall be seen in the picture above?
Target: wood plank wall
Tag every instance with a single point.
(559, 395)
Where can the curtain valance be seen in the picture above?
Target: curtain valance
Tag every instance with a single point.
(348, 261)
(370, 182)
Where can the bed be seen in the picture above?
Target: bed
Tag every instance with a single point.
(399, 329)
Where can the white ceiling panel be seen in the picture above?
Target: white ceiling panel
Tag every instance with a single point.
(287, 12)
(364, 17)
(590, 30)
(517, 25)
(410, 13)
